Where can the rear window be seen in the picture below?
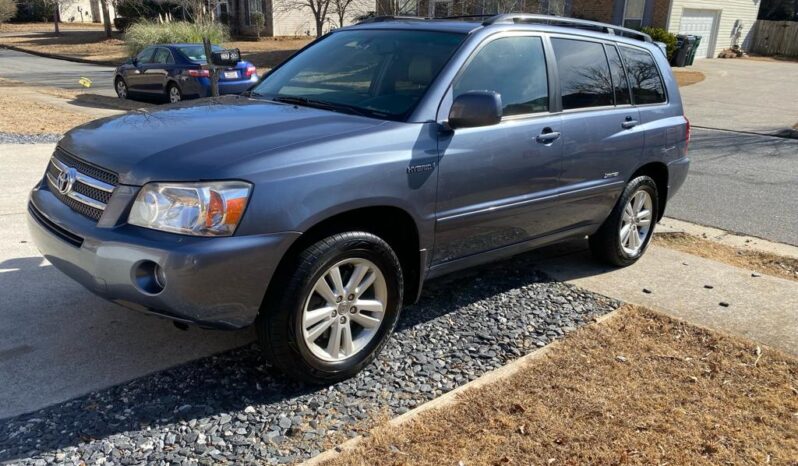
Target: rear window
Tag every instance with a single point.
(584, 74)
(196, 53)
(644, 77)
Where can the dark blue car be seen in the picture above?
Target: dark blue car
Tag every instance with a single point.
(174, 71)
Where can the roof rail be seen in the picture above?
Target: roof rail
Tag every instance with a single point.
(382, 19)
(514, 18)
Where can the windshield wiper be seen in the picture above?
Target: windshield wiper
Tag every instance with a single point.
(304, 101)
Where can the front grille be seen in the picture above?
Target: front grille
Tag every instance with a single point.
(91, 187)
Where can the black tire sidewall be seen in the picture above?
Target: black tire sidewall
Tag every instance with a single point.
(637, 184)
(312, 264)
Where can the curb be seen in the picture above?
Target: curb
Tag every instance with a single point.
(452, 396)
(59, 57)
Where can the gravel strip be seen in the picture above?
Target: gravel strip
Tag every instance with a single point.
(232, 407)
(16, 138)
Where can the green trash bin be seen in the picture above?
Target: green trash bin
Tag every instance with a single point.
(693, 48)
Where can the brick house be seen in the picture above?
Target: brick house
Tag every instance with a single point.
(720, 23)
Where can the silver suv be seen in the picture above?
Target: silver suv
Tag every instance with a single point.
(379, 156)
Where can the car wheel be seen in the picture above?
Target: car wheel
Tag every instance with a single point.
(173, 93)
(121, 88)
(624, 236)
(330, 315)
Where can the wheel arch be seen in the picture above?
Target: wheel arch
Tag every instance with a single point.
(393, 224)
(657, 171)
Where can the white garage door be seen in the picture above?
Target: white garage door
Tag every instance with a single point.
(700, 23)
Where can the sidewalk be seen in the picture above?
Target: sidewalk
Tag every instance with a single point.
(762, 308)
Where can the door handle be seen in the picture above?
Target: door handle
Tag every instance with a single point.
(629, 123)
(547, 136)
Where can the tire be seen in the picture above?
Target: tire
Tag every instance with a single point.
(295, 339)
(173, 93)
(608, 244)
(121, 88)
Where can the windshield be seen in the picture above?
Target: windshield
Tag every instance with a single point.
(197, 52)
(378, 73)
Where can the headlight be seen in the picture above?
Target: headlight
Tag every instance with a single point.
(201, 209)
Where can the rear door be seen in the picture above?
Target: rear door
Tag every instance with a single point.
(603, 140)
(154, 75)
(495, 182)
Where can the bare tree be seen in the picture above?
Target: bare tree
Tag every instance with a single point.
(319, 8)
(106, 17)
(353, 8)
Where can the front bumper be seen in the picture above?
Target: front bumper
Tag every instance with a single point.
(213, 282)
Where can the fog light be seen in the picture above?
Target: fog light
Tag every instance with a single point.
(149, 277)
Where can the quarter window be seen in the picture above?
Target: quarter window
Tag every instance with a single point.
(515, 68)
(619, 81)
(644, 77)
(584, 74)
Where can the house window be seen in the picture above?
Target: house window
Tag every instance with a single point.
(253, 6)
(443, 8)
(633, 13)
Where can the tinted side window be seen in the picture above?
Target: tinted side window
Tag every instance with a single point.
(619, 81)
(644, 77)
(515, 67)
(162, 57)
(584, 73)
(145, 56)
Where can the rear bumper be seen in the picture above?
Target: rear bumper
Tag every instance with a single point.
(213, 282)
(201, 87)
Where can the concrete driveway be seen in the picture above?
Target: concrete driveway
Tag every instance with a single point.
(743, 95)
(59, 341)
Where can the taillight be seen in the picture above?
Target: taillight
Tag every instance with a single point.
(250, 71)
(199, 73)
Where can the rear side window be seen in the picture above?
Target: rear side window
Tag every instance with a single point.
(514, 67)
(619, 81)
(644, 77)
(584, 74)
(162, 57)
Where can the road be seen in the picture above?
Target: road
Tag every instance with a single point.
(36, 70)
(744, 183)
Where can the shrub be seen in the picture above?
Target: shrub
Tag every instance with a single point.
(661, 35)
(146, 33)
(122, 24)
(8, 9)
(258, 21)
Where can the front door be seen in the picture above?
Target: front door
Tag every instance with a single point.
(133, 72)
(495, 183)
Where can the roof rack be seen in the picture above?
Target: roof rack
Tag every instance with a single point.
(515, 18)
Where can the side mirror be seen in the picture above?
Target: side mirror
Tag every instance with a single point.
(229, 57)
(475, 108)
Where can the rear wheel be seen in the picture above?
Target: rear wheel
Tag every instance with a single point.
(335, 308)
(173, 93)
(624, 236)
(121, 88)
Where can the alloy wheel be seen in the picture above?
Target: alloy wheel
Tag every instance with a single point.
(174, 94)
(121, 89)
(344, 310)
(636, 222)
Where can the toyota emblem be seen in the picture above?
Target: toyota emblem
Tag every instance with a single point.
(65, 181)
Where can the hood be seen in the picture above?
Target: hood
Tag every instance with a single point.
(201, 140)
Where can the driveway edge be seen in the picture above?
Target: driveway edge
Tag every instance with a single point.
(451, 397)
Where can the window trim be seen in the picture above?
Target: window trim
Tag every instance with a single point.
(659, 73)
(551, 76)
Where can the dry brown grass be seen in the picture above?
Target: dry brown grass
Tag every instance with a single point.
(28, 116)
(763, 262)
(640, 388)
(686, 78)
(92, 44)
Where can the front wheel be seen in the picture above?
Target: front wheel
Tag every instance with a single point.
(330, 315)
(625, 234)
